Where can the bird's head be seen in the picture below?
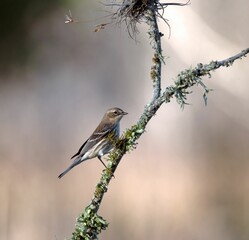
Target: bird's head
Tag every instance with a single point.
(114, 115)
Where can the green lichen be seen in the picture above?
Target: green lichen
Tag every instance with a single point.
(89, 225)
(190, 77)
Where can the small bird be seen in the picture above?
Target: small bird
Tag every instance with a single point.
(101, 141)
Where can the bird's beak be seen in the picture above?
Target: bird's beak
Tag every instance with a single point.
(124, 113)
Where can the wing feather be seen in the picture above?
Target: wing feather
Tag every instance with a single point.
(78, 153)
(97, 136)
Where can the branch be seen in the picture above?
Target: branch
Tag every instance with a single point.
(89, 224)
(190, 77)
(155, 36)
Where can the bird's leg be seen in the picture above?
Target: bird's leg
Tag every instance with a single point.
(102, 161)
(103, 164)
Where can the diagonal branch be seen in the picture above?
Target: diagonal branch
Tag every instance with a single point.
(89, 224)
(190, 77)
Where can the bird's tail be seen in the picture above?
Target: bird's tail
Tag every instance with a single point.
(75, 163)
(66, 171)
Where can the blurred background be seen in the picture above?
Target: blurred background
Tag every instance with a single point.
(188, 178)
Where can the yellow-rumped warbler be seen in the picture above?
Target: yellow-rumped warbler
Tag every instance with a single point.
(101, 141)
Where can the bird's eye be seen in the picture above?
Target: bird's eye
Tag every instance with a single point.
(115, 112)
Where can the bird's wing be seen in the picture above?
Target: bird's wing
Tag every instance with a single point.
(97, 136)
(78, 153)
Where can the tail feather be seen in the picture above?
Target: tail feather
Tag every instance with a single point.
(75, 163)
(66, 171)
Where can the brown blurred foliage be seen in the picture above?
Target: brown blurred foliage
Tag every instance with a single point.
(17, 18)
(188, 178)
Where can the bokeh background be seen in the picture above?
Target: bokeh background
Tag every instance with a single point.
(188, 178)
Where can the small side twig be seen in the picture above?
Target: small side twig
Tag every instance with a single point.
(190, 77)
